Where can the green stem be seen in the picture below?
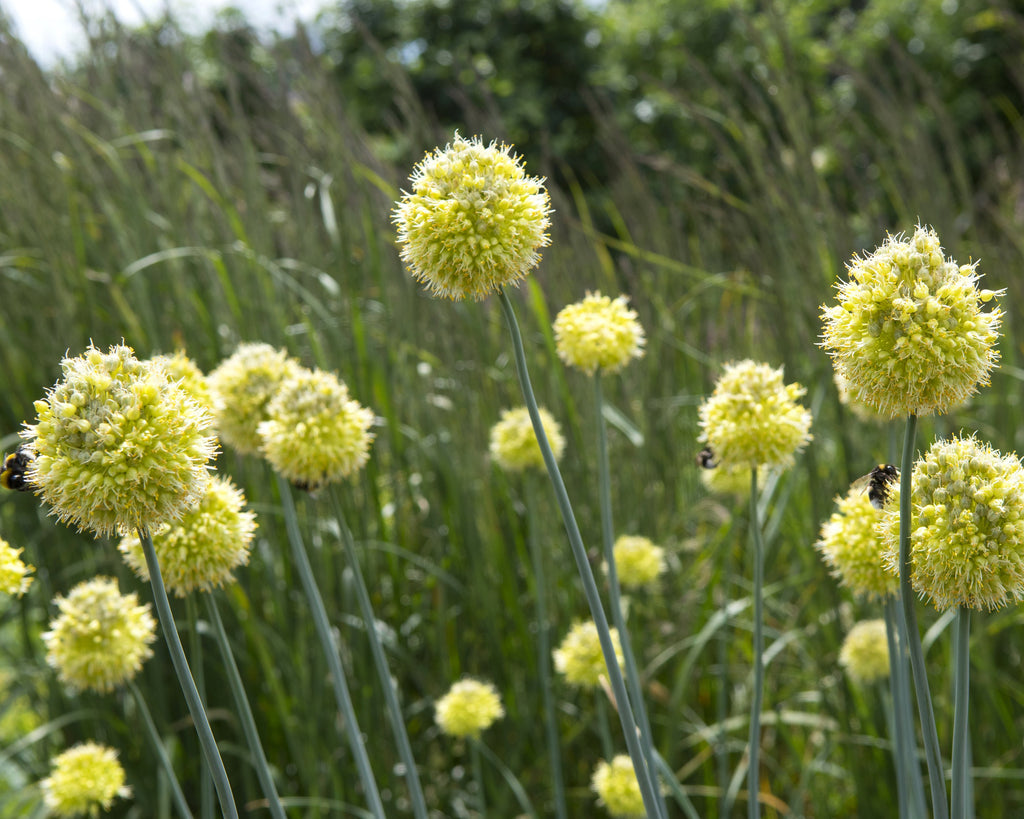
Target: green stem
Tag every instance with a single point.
(510, 778)
(478, 775)
(188, 685)
(161, 753)
(252, 736)
(754, 741)
(961, 808)
(936, 779)
(579, 554)
(721, 714)
(677, 790)
(330, 649)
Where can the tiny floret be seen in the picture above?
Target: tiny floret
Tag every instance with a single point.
(514, 444)
(579, 656)
(908, 334)
(617, 788)
(598, 332)
(865, 652)
(184, 372)
(469, 707)
(83, 781)
(850, 545)
(14, 573)
(638, 561)
(118, 446)
(474, 221)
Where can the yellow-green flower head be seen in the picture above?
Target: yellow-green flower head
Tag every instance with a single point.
(732, 480)
(598, 332)
(100, 638)
(752, 418)
(315, 433)
(579, 655)
(242, 386)
(202, 549)
(84, 780)
(616, 786)
(865, 652)
(908, 333)
(967, 540)
(14, 577)
(117, 445)
(474, 220)
(850, 545)
(186, 374)
(862, 411)
(514, 445)
(469, 707)
(638, 561)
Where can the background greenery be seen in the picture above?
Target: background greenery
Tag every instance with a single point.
(718, 162)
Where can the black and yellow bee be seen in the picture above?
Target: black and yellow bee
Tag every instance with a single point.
(706, 459)
(878, 483)
(15, 466)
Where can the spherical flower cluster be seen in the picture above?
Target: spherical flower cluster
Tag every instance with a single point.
(850, 545)
(14, 577)
(752, 417)
(908, 333)
(118, 446)
(579, 656)
(598, 332)
(202, 549)
(474, 220)
(242, 386)
(514, 445)
(469, 707)
(100, 638)
(865, 652)
(315, 433)
(967, 539)
(638, 561)
(183, 371)
(84, 780)
(616, 786)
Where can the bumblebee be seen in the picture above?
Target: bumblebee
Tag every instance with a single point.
(15, 466)
(878, 482)
(706, 459)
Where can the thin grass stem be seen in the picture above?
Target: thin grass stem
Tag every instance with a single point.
(681, 797)
(180, 803)
(899, 743)
(754, 741)
(510, 778)
(961, 789)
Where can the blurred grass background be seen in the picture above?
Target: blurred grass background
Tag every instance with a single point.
(718, 163)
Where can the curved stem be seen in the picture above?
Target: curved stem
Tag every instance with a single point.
(754, 741)
(161, 753)
(961, 808)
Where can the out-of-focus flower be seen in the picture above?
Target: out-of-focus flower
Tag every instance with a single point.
(616, 786)
(732, 480)
(598, 332)
(469, 707)
(14, 573)
(850, 545)
(184, 372)
(514, 445)
(579, 656)
(638, 561)
(865, 652)
(84, 780)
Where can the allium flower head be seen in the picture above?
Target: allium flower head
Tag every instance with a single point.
(100, 638)
(202, 549)
(732, 480)
(186, 374)
(84, 780)
(865, 652)
(117, 445)
(908, 333)
(967, 539)
(469, 707)
(616, 786)
(752, 418)
(14, 577)
(514, 445)
(315, 433)
(474, 220)
(638, 561)
(598, 332)
(850, 545)
(579, 655)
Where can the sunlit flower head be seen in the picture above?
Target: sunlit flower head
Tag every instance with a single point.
(850, 545)
(967, 538)
(638, 561)
(598, 332)
(242, 386)
(117, 445)
(865, 652)
(908, 332)
(201, 550)
(514, 445)
(183, 371)
(315, 433)
(474, 221)
(752, 418)
(14, 573)
(469, 707)
(83, 781)
(100, 637)
(616, 785)
(579, 655)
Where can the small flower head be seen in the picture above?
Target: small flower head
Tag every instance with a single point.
(315, 433)
(100, 638)
(84, 780)
(616, 786)
(183, 371)
(850, 545)
(242, 386)
(579, 656)
(967, 539)
(753, 418)
(514, 445)
(598, 332)
(14, 577)
(638, 561)
(469, 707)
(474, 220)
(117, 445)
(202, 549)
(865, 652)
(908, 333)
(732, 480)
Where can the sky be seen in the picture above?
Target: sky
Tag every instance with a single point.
(50, 30)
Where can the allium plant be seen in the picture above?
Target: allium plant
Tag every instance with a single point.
(514, 444)
(469, 708)
(617, 788)
(84, 780)
(865, 652)
(184, 372)
(579, 657)
(638, 561)
(14, 572)
(851, 547)
(598, 332)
